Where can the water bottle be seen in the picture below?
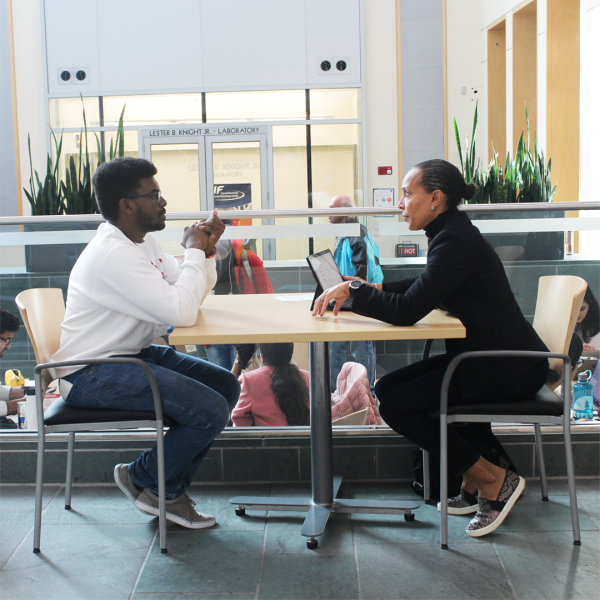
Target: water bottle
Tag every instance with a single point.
(583, 400)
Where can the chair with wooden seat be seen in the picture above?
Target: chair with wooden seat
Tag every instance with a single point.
(558, 302)
(356, 418)
(43, 311)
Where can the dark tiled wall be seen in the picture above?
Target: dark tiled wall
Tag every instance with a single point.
(242, 460)
(523, 277)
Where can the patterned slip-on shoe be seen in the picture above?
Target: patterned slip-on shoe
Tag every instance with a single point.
(463, 504)
(491, 513)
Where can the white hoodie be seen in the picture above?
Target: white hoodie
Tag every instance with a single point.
(122, 295)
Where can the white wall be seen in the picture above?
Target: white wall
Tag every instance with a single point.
(466, 59)
(8, 183)
(382, 104)
(30, 85)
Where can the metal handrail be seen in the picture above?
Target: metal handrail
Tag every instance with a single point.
(311, 212)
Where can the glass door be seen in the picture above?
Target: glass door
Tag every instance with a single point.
(237, 180)
(178, 174)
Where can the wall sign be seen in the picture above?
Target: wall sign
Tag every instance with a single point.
(172, 132)
(230, 195)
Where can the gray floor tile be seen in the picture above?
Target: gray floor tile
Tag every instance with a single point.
(214, 500)
(14, 526)
(547, 565)
(307, 577)
(592, 508)
(422, 571)
(94, 504)
(204, 561)
(283, 528)
(588, 488)
(22, 497)
(425, 529)
(531, 514)
(78, 561)
(283, 535)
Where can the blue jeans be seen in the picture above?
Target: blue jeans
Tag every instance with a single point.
(222, 355)
(195, 393)
(361, 352)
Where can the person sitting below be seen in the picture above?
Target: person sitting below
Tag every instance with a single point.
(9, 396)
(353, 394)
(276, 394)
(588, 321)
(585, 336)
(465, 277)
(123, 292)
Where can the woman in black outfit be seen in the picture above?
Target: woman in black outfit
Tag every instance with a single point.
(465, 277)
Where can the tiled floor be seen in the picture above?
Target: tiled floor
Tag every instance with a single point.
(105, 548)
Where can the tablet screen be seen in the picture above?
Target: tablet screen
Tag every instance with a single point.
(325, 270)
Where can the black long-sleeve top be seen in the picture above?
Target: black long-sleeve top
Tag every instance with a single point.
(465, 277)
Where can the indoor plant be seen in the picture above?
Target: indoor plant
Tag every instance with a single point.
(72, 196)
(524, 178)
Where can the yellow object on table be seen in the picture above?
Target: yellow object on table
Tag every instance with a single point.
(13, 378)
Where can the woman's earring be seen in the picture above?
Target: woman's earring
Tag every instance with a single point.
(432, 208)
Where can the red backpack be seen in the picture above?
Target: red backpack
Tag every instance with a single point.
(250, 274)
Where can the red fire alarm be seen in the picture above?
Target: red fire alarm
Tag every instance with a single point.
(384, 170)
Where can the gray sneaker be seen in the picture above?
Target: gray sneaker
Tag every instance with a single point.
(491, 513)
(124, 482)
(463, 504)
(179, 510)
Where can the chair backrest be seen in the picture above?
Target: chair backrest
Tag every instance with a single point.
(356, 418)
(43, 311)
(558, 303)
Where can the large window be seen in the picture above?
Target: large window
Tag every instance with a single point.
(314, 154)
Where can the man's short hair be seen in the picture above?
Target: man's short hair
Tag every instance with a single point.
(8, 322)
(119, 178)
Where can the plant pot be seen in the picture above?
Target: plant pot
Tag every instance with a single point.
(542, 245)
(55, 258)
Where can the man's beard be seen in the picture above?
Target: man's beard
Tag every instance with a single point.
(147, 223)
(3, 352)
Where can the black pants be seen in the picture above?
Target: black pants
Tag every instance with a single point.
(407, 394)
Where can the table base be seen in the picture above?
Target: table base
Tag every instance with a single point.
(318, 515)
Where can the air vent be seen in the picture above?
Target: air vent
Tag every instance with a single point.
(73, 75)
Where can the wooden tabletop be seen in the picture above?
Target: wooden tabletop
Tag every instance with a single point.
(246, 319)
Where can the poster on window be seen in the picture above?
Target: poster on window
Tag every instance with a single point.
(232, 195)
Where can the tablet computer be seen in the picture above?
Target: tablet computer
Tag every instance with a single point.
(327, 274)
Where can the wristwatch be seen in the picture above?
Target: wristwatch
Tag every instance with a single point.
(354, 285)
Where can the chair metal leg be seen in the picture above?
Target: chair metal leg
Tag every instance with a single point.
(69, 484)
(444, 480)
(426, 477)
(571, 480)
(541, 462)
(162, 501)
(39, 487)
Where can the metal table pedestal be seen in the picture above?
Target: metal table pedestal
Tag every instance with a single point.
(325, 486)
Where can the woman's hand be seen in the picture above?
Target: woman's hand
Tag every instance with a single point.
(340, 293)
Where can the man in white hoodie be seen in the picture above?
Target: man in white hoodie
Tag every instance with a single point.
(123, 292)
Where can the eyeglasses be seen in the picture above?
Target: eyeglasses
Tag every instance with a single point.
(8, 341)
(155, 195)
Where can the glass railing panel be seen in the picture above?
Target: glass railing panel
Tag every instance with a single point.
(34, 254)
